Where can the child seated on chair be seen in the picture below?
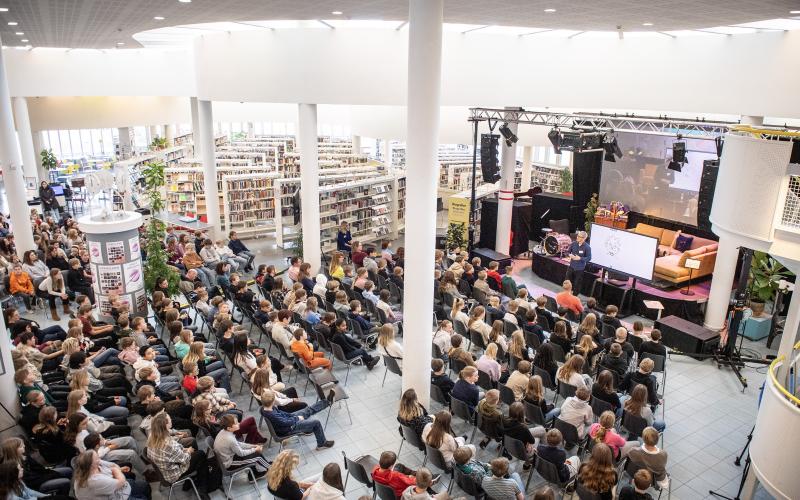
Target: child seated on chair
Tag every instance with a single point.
(467, 464)
(390, 473)
(642, 480)
(552, 451)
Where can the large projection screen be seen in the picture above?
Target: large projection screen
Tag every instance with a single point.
(642, 181)
(623, 251)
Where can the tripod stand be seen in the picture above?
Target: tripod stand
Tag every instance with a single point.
(746, 469)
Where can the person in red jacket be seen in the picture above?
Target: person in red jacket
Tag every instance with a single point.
(397, 476)
(492, 273)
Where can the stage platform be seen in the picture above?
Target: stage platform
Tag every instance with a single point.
(691, 307)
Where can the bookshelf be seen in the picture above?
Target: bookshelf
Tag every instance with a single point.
(546, 176)
(249, 203)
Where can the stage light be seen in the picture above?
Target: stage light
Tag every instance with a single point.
(555, 138)
(612, 150)
(679, 151)
(508, 135)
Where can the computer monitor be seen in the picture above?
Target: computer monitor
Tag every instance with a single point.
(58, 189)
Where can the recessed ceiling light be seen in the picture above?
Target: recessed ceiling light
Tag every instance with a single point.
(24, 40)
(3, 9)
(794, 12)
(647, 24)
(19, 33)
(159, 18)
(337, 12)
(120, 43)
(549, 10)
(13, 23)
(185, 1)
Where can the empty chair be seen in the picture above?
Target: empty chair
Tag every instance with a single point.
(506, 394)
(516, 449)
(360, 469)
(413, 439)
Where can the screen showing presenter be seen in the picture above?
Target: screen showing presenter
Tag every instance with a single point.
(580, 253)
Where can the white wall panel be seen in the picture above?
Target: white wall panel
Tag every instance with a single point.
(54, 113)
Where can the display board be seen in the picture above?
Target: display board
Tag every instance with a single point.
(642, 181)
(623, 251)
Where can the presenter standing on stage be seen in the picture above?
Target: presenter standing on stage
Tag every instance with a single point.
(580, 253)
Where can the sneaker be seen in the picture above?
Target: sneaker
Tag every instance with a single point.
(325, 445)
(527, 466)
(330, 396)
(436, 478)
(483, 443)
(371, 363)
(259, 475)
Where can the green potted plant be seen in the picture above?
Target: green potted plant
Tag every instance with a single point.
(566, 180)
(456, 232)
(49, 160)
(765, 275)
(589, 211)
(158, 143)
(156, 267)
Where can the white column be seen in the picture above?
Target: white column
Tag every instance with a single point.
(357, 144)
(154, 132)
(169, 133)
(11, 165)
(505, 195)
(424, 98)
(791, 329)
(309, 184)
(719, 296)
(25, 138)
(37, 148)
(387, 154)
(251, 129)
(195, 127)
(527, 157)
(125, 146)
(206, 129)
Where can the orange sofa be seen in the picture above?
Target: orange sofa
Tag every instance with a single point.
(670, 262)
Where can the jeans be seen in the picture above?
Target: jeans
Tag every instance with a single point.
(215, 365)
(241, 261)
(248, 256)
(314, 426)
(552, 414)
(54, 332)
(207, 276)
(659, 425)
(114, 412)
(140, 490)
(221, 378)
(106, 357)
(169, 384)
(366, 358)
(515, 477)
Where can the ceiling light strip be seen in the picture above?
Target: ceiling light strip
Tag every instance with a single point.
(537, 32)
(575, 34)
(474, 29)
(401, 26)
(254, 25)
(320, 21)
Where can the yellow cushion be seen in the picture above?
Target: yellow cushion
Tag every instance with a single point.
(671, 266)
(647, 230)
(668, 237)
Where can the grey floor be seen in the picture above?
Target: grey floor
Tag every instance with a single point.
(708, 418)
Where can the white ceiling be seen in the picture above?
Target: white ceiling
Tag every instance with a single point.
(106, 23)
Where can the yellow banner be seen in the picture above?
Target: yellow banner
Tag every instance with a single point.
(458, 212)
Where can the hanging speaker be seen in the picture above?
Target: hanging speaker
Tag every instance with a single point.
(490, 163)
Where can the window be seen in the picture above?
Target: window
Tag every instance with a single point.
(86, 142)
(66, 149)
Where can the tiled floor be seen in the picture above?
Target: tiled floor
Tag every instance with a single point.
(708, 419)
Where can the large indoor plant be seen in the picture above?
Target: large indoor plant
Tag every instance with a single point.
(49, 160)
(589, 211)
(456, 235)
(156, 267)
(566, 180)
(765, 276)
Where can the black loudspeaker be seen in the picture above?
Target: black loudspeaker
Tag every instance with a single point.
(490, 164)
(705, 195)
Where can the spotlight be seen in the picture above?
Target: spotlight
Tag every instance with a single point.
(679, 151)
(508, 135)
(555, 138)
(719, 142)
(611, 147)
(674, 165)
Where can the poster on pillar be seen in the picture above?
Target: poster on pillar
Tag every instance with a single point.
(458, 213)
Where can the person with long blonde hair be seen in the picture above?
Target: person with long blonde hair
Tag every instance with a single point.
(107, 427)
(457, 312)
(571, 372)
(587, 348)
(498, 334)
(411, 412)
(598, 474)
(534, 394)
(335, 269)
(489, 365)
(388, 346)
(280, 480)
(517, 347)
(589, 326)
(440, 435)
(476, 322)
(173, 460)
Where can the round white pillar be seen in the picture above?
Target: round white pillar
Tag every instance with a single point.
(719, 296)
(206, 119)
(125, 144)
(387, 155)
(37, 148)
(505, 195)
(195, 127)
(169, 133)
(527, 162)
(25, 136)
(309, 184)
(11, 165)
(424, 98)
(356, 144)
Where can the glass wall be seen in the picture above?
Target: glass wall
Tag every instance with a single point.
(84, 143)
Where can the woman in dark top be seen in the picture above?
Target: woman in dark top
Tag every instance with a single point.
(544, 360)
(48, 198)
(515, 427)
(411, 413)
(343, 239)
(534, 394)
(55, 258)
(77, 281)
(279, 477)
(560, 337)
(304, 277)
(603, 389)
(49, 437)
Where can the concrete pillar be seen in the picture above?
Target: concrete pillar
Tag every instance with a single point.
(154, 132)
(25, 137)
(719, 296)
(424, 99)
(309, 184)
(505, 195)
(11, 165)
(195, 127)
(527, 162)
(169, 133)
(206, 122)
(387, 154)
(38, 146)
(791, 330)
(357, 144)
(125, 145)
(251, 129)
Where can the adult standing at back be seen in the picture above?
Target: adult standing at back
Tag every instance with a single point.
(580, 253)
(49, 200)
(343, 238)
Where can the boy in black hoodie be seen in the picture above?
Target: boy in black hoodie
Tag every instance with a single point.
(440, 379)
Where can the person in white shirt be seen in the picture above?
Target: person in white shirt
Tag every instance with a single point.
(329, 487)
(388, 346)
(97, 479)
(441, 337)
(369, 293)
(147, 355)
(227, 255)
(281, 332)
(237, 455)
(320, 286)
(576, 410)
(392, 316)
(457, 313)
(209, 254)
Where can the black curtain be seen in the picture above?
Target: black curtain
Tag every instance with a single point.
(547, 206)
(520, 225)
(586, 172)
